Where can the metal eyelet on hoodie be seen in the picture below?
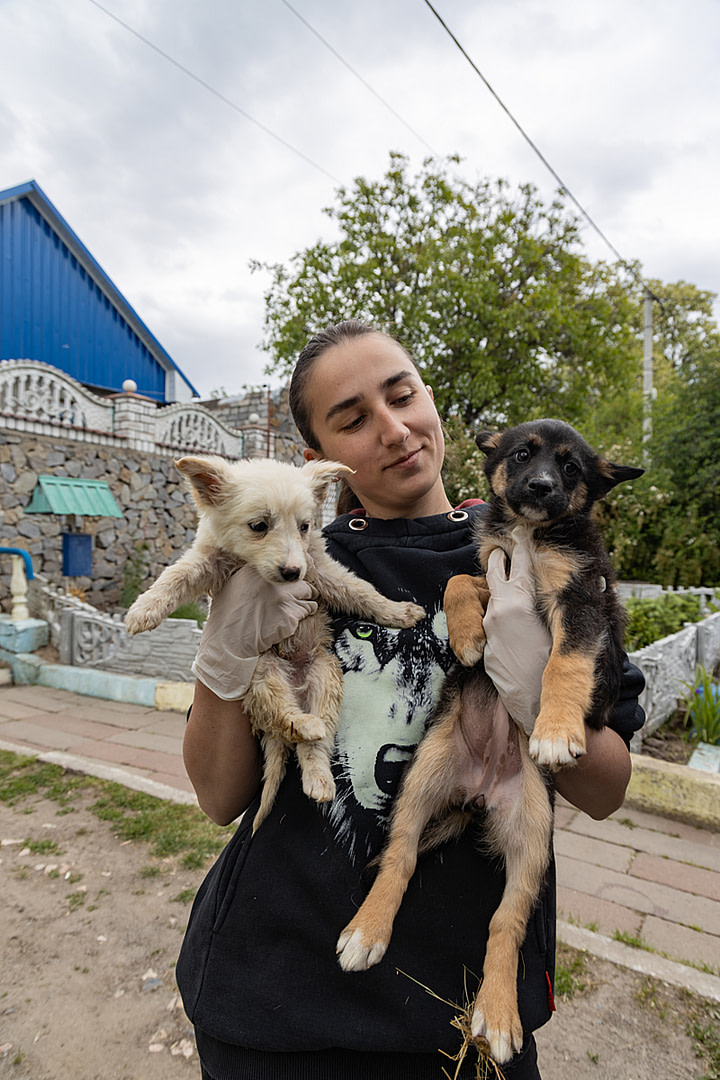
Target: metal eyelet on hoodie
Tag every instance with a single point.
(357, 524)
(458, 515)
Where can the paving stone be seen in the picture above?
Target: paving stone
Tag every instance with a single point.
(147, 761)
(35, 736)
(67, 724)
(682, 942)
(17, 710)
(690, 848)
(679, 829)
(38, 697)
(172, 725)
(132, 719)
(146, 740)
(692, 879)
(586, 849)
(603, 915)
(644, 896)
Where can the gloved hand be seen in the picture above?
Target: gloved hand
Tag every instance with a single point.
(247, 616)
(518, 644)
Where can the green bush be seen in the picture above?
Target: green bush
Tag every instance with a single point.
(134, 573)
(190, 611)
(656, 617)
(702, 708)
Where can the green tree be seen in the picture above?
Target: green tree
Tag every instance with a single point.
(488, 288)
(666, 528)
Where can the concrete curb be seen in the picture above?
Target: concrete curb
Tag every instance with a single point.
(30, 670)
(675, 791)
(646, 963)
(73, 763)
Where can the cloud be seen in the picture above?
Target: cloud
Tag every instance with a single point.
(174, 191)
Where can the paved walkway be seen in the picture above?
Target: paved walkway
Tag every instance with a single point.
(638, 877)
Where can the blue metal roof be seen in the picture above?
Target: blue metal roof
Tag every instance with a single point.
(58, 305)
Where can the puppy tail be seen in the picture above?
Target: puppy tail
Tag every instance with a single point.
(275, 757)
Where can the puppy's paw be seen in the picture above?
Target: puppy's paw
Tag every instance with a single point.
(306, 728)
(357, 952)
(319, 786)
(142, 617)
(401, 614)
(467, 648)
(500, 1027)
(556, 745)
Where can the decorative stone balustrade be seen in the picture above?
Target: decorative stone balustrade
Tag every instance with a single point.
(39, 399)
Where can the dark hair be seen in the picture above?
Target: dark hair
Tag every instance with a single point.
(317, 346)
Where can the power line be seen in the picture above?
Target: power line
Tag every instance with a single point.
(216, 93)
(358, 76)
(563, 186)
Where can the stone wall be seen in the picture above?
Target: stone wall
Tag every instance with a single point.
(51, 425)
(158, 513)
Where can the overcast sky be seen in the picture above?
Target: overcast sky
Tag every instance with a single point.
(174, 191)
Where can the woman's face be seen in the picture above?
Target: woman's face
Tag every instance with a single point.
(370, 410)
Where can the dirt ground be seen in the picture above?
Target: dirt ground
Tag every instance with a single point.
(89, 935)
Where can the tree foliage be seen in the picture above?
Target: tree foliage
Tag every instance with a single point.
(488, 289)
(491, 292)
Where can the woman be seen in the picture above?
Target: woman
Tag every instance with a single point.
(257, 970)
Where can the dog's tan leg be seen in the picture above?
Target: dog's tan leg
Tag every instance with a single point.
(350, 594)
(323, 696)
(520, 831)
(558, 736)
(464, 603)
(275, 753)
(272, 703)
(427, 789)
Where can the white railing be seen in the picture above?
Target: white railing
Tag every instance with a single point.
(39, 399)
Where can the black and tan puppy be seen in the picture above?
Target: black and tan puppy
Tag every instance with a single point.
(544, 480)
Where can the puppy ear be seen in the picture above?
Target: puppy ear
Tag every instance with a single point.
(322, 473)
(609, 475)
(207, 476)
(487, 441)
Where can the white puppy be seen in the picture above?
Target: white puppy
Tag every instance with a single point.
(263, 513)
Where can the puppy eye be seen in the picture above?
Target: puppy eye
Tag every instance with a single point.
(258, 526)
(305, 527)
(521, 455)
(571, 468)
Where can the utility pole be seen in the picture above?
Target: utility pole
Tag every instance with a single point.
(648, 393)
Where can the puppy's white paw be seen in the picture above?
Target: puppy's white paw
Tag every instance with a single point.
(307, 728)
(504, 1039)
(319, 786)
(401, 614)
(555, 753)
(468, 654)
(140, 618)
(357, 954)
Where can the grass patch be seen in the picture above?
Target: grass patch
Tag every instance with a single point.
(571, 973)
(185, 896)
(167, 828)
(43, 847)
(633, 940)
(705, 1033)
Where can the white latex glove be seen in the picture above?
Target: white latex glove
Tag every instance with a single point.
(246, 618)
(518, 644)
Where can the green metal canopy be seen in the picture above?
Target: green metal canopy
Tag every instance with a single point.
(70, 495)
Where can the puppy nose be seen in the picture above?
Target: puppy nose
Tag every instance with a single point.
(290, 573)
(540, 485)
